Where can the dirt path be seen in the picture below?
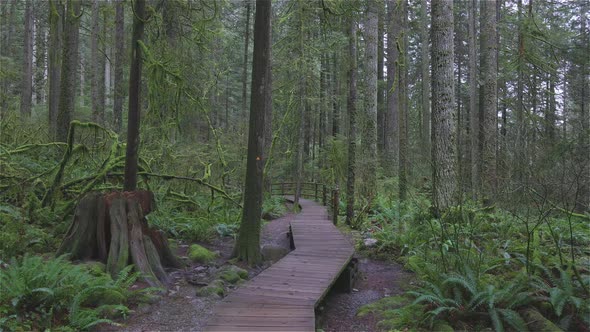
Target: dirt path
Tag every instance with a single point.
(378, 279)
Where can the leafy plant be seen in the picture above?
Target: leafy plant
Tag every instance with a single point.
(38, 293)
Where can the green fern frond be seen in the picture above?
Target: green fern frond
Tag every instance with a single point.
(514, 319)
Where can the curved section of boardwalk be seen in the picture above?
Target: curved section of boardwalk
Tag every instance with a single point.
(284, 296)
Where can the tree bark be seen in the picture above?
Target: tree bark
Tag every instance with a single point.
(248, 243)
(245, 68)
(380, 83)
(26, 95)
(473, 109)
(54, 65)
(351, 105)
(403, 109)
(301, 107)
(425, 82)
(40, 52)
(369, 175)
(119, 63)
(490, 97)
(69, 69)
(443, 125)
(133, 119)
(391, 146)
(96, 67)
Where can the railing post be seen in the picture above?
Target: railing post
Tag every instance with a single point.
(324, 202)
(335, 205)
(316, 191)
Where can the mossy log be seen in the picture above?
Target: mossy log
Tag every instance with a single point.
(111, 228)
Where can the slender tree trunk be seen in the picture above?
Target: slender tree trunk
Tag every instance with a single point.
(119, 64)
(490, 97)
(425, 83)
(380, 83)
(351, 105)
(26, 95)
(473, 109)
(69, 69)
(302, 105)
(54, 66)
(245, 67)
(444, 184)
(369, 175)
(40, 53)
(391, 146)
(133, 118)
(403, 109)
(335, 95)
(520, 154)
(248, 244)
(96, 67)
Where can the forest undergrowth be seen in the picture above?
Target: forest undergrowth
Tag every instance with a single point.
(526, 269)
(197, 193)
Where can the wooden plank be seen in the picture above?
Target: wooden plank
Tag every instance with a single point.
(283, 297)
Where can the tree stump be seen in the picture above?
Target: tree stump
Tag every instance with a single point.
(112, 228)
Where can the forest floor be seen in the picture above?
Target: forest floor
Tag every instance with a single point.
(181, 310)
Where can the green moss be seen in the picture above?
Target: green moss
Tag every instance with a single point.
(216, 287)
(230, 276)
(97, 269)
(200, 254)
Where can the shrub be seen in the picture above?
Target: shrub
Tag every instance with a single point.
(39, 294)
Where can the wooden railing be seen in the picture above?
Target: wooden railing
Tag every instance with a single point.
(310, 190)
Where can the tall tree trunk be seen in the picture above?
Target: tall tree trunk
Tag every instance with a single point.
(380, 83)
(119, 63)
(425, 82)
(335, 95)
(520, 154)
(351, 105)
(302, 104)
(369, 175)
(248, 244)
(134, 116)
(26, 95)
(444, 184)
(40, 52)
(403, 109)
(54, 65)
(69, 69)
(490, 97)
(391, 146)
(245, 67)
(473, 109)
(96, 67)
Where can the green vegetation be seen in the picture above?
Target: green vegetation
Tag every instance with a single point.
(470, 280)
(39, 294)
(200, 254)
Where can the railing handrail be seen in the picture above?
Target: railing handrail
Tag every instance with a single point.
(315, 194)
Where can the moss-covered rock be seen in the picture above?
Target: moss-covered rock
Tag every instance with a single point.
(233, 274)
(95, 268)
(537, 322)
(200, 254)
(216, 287)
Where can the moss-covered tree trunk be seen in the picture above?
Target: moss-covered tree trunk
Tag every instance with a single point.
(112, 228)
(248, 244)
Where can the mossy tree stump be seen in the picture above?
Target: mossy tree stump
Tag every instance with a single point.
(112, 228)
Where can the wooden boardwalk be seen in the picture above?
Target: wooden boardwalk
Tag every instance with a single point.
(284, 296)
